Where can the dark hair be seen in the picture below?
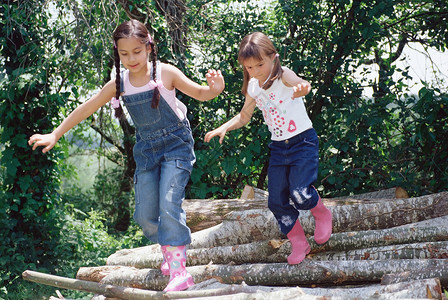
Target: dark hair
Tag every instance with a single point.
(134, 28)
(254, 46)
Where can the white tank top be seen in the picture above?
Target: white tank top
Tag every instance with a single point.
(284, 116)
(169, 95)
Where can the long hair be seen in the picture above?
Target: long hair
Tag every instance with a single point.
(254, 46)
(134, 28)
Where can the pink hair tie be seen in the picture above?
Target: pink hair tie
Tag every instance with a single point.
(153, 84)
(114, 102)
(149, 38)
(115, 44)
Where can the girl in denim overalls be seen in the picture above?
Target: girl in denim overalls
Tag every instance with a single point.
(277, 92)
(164, 149)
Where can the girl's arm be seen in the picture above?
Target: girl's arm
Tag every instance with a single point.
(236, 122)
(172, 78)
(80, 113)
(300, 86)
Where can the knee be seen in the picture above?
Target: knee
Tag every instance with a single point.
(304, 197)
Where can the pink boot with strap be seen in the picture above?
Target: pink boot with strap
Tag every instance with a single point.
(299, 244)
(180, 279)
(323, 222)
(164, 267)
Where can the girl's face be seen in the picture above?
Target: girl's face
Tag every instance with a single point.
(259, 69)
(133, 54)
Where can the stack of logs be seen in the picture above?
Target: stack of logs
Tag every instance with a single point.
(386, 248)
(383, 247)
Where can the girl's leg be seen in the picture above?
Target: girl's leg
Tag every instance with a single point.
(278, 199)
(302, 176)
(146, 212)
(173, 180)
(285, 213)
(174, 234)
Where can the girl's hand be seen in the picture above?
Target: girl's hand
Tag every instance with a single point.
(48, 140)
(301, 89)
(215, 81)
(221, 132)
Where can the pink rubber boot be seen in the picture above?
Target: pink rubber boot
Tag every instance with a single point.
(164, 267)
(323, 222)
(299, 244)
(180, 279)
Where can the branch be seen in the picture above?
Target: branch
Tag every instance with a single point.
(107, 138)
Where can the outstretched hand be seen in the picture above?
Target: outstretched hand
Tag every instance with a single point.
(221, 132)
(47, 140)
(215, 81)
(301, 89)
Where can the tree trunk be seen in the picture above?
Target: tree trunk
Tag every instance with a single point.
(277, 274)
(416, 289)
(204, 213)
(255, 225)
(213, 288)
(370, 245)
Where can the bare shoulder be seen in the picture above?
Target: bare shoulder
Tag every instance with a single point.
(170, 75)
(289, 77)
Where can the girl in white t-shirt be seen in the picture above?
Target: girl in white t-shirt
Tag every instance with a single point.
(277, 91)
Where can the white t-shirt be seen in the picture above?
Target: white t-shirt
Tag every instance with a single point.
(284, 116)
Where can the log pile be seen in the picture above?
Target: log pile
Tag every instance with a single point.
(381, 248)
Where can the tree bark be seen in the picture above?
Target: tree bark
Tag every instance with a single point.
(204, 213)
(212, 288)
(91, 286)
(365, 245)
(255, 225)
(277, 274)
(425, 250)
(277, 250)
(431, 272)
(416, 289)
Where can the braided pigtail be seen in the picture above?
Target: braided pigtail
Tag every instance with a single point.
(156, 95)
(116, 104)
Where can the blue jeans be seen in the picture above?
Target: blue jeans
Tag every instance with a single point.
(159, 194)
(293, 167)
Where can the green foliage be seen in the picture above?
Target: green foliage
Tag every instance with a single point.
(29, 227)
(57, 53)
(221, 171)
(363, 146)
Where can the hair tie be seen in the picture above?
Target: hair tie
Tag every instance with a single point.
(277, 55)
(153, 84)
(114, 102)
(115, 44)
(149, 38)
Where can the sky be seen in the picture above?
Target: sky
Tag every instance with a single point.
(428, 66)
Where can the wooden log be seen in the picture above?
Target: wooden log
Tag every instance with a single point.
(418, 289)
(391, 193)
(407, 251)
(205, 213)
(277, 274)
(254, 225)
(411, 275)
(90, 286)
(277, 250)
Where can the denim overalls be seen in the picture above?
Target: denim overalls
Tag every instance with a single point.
(164, 155)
